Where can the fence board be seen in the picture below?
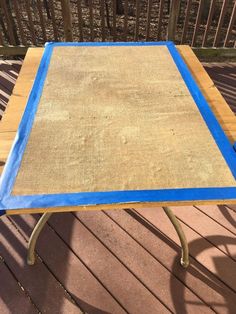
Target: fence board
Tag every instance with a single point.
(31, 24)
(1, 38)
(137, 20)
(42, 20)
(221, 20)
(19, 23)
(160, 16)
(230, 27)
(209, 20)
(9, 23)
(126, 19)
(149, 9)
(186, 21)
(198, 21)
(13, 31)
(114, 19)
(102, 9)
(80, 20)
(66, 14)
(91, 18)
(174, 13)
(54, 25)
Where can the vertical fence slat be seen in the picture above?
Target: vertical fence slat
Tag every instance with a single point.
(42, 20)
(149, 9)
(221, 20)
(160, 16)
(137, 20)
(31, 24)
(12, 39)
(66, 15)
(198, 21)
(102, 9)
(19, 23)
(54, 25)
(90, 2)
(80, 20)
(114, 19)
(208, 24)
(186, 21)
(125, 19)
(174, 13)
(230, 27)
(1, 38)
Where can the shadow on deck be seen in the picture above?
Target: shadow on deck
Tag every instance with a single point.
(121, 261)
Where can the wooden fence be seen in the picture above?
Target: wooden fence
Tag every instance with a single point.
(200, 23)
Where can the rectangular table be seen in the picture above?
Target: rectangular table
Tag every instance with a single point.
(116, 125)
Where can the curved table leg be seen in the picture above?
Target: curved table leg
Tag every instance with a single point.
(34, 236)
(185, 253)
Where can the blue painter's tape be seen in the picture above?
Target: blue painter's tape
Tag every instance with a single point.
(15, 156)
(113, 197)
(234, 146)
(213, 125)
(120, 197)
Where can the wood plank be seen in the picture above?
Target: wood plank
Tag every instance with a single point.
(149, 9)
(90, 2)
(222, 214)
(208, 229)
(6, 140)
(7, 13)
(18, 100)
(69, 269)
(220, 23)
(172, 23)
(186, 21)
(160, 17)
(230, 27)
(67, 19)
(13, 299)
(42, 19)
(142, 264)
(114, 19)
(31, 23)
(137, 7)
(54, 24)
(202, 282)
(125, 19)
(209, 20)
(102, 12)
(213, 96)
(62, 209)
(126, 288)
(198, 22)
(13, 50)
(80, 20)
(19, 22)
(38, 282)
(200, 248)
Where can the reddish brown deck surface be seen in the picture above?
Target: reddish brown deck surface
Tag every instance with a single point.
(121, 261)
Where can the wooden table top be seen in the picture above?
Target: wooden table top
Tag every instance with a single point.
(17, 103)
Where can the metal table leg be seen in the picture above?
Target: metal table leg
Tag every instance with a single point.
(185, 252)
(34, 236)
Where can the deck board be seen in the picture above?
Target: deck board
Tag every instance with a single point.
(69, 269)
(125, 260)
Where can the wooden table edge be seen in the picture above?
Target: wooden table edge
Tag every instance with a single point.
(19, 98)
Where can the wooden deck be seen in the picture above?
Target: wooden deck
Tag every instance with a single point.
(122, 261)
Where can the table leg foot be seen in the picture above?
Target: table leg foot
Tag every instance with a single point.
(185, 251)
(34, 236)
